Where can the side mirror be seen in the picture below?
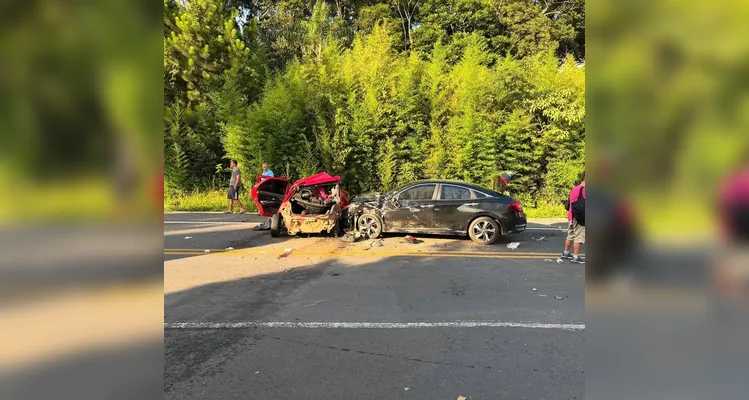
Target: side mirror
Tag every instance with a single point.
(394, 202)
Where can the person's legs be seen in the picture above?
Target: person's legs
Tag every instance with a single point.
(570, 240)
(236, 198)
(576, 249)
(231, 200)
(578, 243)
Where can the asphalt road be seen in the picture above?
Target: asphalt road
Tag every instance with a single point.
(360, 322)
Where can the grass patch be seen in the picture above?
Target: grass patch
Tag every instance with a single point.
(75, 199)
(676, 219)
(546, 211)
(211, 200)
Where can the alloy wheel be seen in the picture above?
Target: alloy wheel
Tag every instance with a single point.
(484, 231)
(368, 225)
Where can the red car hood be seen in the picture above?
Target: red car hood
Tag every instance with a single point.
(321, 178)
(317, 179)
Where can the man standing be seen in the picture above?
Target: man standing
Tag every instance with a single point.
(575, 228)
(266, 170)
(235, 184)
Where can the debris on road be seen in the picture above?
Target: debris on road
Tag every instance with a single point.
(540, 238)
(542, 295)
(351, 237)
(376, 243)
(535, 290)
(264, 226)
(257, 372)
(462, 398)
(207, 251)
(558, 297)
(318, 301)
(230, 248)
(334, 274)
(513, 245)
(559, 260)
(406, 389)
(287, 252)
(549, 260)
(188, 237)
(411, 239)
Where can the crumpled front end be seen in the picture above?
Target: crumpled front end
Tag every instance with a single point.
(311, 223)
(314, 210)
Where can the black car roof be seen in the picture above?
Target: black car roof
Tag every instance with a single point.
(448, 181)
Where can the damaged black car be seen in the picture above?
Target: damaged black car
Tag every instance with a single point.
(440, 207)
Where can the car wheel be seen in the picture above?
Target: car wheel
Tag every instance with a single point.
(484, 230)
(370, 225)
(275, 225)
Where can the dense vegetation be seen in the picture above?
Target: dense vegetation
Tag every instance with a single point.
(380, 92)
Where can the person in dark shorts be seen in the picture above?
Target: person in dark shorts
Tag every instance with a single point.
(235, 185)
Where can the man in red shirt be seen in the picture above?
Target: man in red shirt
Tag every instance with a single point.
(575, 231)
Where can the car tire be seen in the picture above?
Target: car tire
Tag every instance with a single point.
(484, 230)
(275, 225)
(370, 225)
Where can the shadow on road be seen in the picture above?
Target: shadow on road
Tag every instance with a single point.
(394, 289)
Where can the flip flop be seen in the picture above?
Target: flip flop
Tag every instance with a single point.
(242, 212)
(228, 212)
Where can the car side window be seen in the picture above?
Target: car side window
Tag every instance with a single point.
(423, 192)
(480, 195)
(454, 193)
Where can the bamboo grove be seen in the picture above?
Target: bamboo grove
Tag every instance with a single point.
(381, 93)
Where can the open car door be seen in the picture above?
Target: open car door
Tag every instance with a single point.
(269, 193)
(501, 181)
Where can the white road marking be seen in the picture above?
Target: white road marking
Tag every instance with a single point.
(370, 325)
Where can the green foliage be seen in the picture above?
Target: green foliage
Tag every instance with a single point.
(473, 89)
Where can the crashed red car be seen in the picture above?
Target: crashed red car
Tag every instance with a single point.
(313, 204)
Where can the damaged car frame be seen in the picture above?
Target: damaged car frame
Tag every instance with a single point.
(440, 207)
(314, 204)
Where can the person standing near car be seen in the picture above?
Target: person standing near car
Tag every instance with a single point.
(576, 223)
(266, 171)
(731, 273)
(235, 184)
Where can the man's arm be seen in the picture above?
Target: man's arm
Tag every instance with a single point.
(236, 184)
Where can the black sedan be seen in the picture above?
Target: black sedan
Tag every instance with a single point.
(439, 207)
